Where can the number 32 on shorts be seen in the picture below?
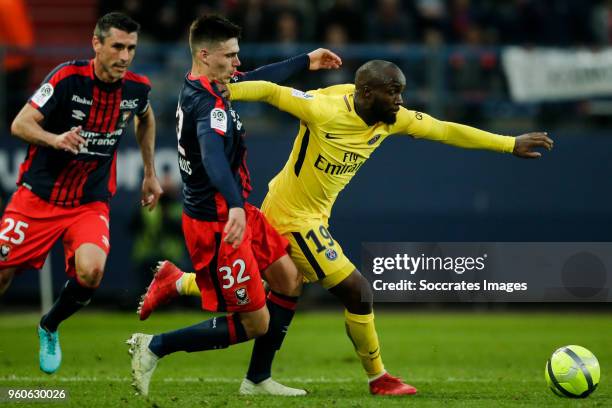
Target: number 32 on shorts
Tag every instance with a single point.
(228, 278)
(18, 229)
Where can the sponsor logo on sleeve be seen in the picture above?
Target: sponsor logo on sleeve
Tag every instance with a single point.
(218, 120)
(43, 94)
(299, 94)
(373, 140)
(129, 104)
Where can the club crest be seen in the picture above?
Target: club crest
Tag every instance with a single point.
(331, 254)
(242, 296)
(5, 250)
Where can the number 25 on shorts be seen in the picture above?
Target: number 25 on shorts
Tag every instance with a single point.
(18, 229)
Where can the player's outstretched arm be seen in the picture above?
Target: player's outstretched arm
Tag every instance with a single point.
(26, 126)
(304, 106)
(145, 135)
(524, 144)
(279, 72)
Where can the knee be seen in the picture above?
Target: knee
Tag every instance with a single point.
(284, 278)
(289, 285)
(257, 325)
(90, 273)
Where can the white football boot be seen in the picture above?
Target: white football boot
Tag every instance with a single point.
(269, 387)
(143, 361)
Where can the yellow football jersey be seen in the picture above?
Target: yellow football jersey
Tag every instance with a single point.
(333, 143)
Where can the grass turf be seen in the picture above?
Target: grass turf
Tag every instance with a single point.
(454, 359)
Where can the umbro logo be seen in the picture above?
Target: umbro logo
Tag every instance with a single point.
(328, 136)
(78, 114)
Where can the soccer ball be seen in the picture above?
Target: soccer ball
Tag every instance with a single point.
(572, 371)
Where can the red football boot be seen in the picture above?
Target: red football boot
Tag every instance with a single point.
(390, 385)
(161, 290)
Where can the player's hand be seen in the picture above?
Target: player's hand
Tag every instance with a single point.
(322, 58)
(70, 141)
(151, 191)
(524, 144)
(235, 226)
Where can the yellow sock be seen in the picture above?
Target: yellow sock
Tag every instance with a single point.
(360, 329)
(188, 285)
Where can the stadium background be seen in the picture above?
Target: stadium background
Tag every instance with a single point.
(451, 52)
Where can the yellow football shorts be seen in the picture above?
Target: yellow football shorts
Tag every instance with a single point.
(318, 256)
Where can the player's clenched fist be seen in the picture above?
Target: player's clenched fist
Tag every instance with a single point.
(70, 141)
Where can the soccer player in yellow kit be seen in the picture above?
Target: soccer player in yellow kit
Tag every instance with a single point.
(340, 127)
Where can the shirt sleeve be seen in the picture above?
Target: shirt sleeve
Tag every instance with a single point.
(51, 93)
(277, 72)
(212, 148)
(144, 103)
(421, 125)
(308, 107)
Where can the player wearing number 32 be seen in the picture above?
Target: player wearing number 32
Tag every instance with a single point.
(229, 241)
(340, 128)
(73, 124)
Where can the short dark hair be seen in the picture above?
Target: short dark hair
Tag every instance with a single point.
(116, 20)
(212, 28)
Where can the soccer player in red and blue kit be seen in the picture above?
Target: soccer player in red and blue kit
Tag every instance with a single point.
(230, 241)
(73, 124)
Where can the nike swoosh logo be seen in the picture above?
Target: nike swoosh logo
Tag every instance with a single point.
(373, 352)
(328, 136)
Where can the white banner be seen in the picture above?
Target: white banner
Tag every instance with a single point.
(544, 74)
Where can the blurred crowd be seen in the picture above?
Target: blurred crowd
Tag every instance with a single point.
(338, 22)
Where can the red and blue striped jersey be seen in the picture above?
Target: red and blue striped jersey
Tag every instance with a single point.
(211, 147)
(202, 112)
(70, 96)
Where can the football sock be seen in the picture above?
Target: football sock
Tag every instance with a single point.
(215, 333)
(282, 309)
(360, 329)
(72, 298)
(187, 285)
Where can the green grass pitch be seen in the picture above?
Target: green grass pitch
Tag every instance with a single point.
(454, 359)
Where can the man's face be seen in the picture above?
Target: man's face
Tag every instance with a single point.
(115, 54)
(387, 97)
(222, 60)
